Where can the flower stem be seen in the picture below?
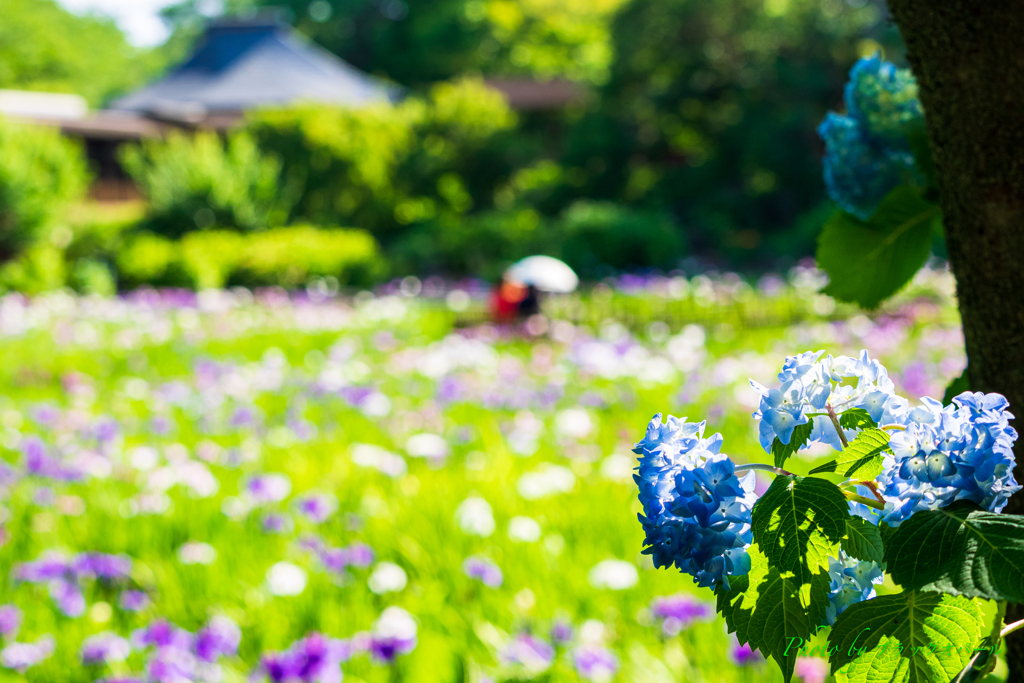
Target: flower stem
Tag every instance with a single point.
(1015, 626)
(988, 664)
(870, 502)
(764, 468)
(839, 429)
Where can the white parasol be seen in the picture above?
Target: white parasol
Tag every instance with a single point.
(545, 273)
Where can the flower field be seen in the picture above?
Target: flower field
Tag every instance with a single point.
(234, 486)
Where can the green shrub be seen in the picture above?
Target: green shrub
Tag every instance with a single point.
(202, 182)
(41, 173)
(597, 236)
(288, 257)
(38, 268)
(390, 168)
(481, 244)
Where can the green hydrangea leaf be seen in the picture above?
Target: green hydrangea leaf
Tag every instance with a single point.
(869, 261)
(960, 549)
(863, 540)
(798, 523)
(772, 611)
(910, 637)
(862, 459)
(783, 451)
(856, 418)
(956, 387)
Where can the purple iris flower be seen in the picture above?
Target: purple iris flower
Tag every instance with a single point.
(393, 634)
(317, 507)
(10, 620)
(595, 663)
(744, 655)
(268, 488)
(385, 649)
(484, 570)
(102, 566)
(40, 463)
(679, 612)
(68, 597)
(104, 647)
(275, 523)
(219, 638)
(360, 555)
(562, 632)
(528, 651)
(244, 416)
(171, 665)
(334, 560)
(20, 656)
(106, 429)
(314, 659)
(133, 601)
(49, 566)
(163, 634)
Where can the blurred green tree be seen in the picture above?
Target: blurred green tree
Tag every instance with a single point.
(416, 43)
(45, 47)
(711, 111)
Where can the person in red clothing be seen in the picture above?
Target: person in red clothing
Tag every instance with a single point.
(505, 299)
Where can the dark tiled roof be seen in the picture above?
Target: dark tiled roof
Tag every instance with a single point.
(243, 65)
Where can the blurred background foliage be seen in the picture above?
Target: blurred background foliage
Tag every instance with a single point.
(694, 134)
(44, 47)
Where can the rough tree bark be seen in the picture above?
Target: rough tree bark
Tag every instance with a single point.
(968, 57)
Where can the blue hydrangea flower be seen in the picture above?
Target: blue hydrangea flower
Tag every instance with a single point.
(866, 151)
(962, 451)
(696, 510)
(810, 383)
(882, 99)
(850, 581)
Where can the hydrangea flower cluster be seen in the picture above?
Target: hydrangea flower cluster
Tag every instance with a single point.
(810, 384)
(850, 582)
(962, 451)
(867, 153)
(696, 510)
(940, 454)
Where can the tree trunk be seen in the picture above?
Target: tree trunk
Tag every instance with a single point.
(968, 58)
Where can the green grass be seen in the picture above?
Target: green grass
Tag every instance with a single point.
(410, 520)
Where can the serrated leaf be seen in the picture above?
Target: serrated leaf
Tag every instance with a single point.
(772, 611)
(863, 540)
(783, 451)
(799, 522)
(862, 459)
(856, 418)
(960, 549)
(869, 261)
(910, 637)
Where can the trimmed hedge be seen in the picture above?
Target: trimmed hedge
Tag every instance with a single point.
(288, 257)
